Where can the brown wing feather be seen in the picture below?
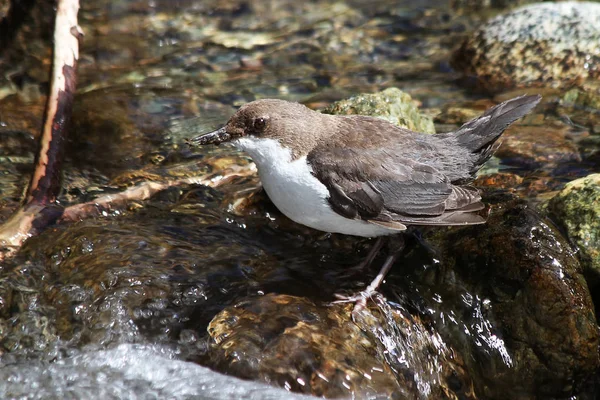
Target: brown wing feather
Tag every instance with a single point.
(393, 190)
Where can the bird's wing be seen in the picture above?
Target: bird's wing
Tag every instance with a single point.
(386, 188)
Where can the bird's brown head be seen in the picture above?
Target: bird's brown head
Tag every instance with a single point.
(268, 118)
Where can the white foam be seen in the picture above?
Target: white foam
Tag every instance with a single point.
(128, 372)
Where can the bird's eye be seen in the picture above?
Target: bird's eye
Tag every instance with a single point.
(259, 124)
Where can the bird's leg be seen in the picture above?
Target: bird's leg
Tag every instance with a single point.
(372, 253)
(417, 234)
(367, 261)
(360, 299)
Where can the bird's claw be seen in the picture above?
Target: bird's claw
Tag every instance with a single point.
(359, 299)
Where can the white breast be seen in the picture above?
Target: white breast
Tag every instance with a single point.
(292, 187)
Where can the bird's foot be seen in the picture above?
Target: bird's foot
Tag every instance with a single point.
(359, 299)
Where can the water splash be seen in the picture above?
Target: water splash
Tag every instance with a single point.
(128, 372)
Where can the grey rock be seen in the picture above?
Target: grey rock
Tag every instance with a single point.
(553, 44)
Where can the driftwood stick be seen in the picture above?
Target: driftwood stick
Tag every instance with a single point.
(38, 209)
(45, 182)
(145, 190)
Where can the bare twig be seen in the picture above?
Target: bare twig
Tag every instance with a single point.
(45, 182)
(38, 209)
(145, 190)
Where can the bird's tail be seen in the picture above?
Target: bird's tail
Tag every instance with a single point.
(480, 134)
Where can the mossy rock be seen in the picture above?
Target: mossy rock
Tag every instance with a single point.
(392, 105)
(576, 209)
(588, 96)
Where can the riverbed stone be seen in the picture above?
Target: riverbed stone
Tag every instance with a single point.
(515, 286)
(538, 146)
(478, 5)
(316, 349)
(576, 209)
(541, 44)
(587, 96)
(392, 105)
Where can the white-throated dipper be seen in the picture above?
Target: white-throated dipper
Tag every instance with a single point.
(364, 176)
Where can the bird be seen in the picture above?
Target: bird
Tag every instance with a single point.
(364, 176)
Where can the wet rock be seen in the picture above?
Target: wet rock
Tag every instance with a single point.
(581, 105)
(538, 146)
(510, 296)
(587, 95)
(18, 126)
(499, 180)
(576, 209)
(533, 141)
(133, 132)
(541, 44)
(478, 5)
(4, 9)
(459, 114)
(26, 48)
(243, 40)
(291, 342)
(392, 104)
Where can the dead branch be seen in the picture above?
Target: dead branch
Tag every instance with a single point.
(38, 209)
(45, 182)
(146, 190)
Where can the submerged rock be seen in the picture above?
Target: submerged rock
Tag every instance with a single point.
(536, 45)
(535, 141)
(587, 96)
(576, 209)
(294, 343)
(538, 146)
(392, 104)
(478, 5)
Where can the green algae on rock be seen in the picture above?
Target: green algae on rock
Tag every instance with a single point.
(541, 44)
(576, 209)
(391, 104)
(587, 95)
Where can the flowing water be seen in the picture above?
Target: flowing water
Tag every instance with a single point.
(123, 305)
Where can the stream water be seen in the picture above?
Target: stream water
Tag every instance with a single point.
(212, 293)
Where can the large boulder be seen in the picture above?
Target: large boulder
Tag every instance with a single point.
(541, 44)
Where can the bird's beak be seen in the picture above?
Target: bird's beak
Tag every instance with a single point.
(215, 137)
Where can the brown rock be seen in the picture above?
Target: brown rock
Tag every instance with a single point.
(500, 180)
(291, 342)
(516, 288)
(536, 146)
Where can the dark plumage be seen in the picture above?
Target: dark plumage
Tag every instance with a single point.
(378, 172)
(393, 175)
